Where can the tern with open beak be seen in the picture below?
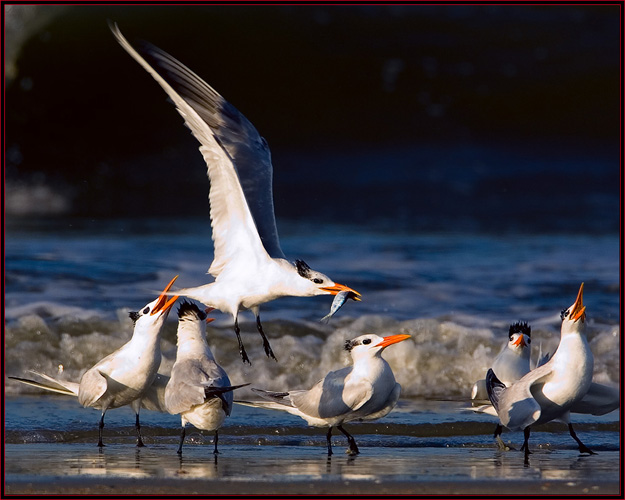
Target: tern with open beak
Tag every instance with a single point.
(550, 391)
(249, 266)
(367, 390)
(198, 389)
(124, 376)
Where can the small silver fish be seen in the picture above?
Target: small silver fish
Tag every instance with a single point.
(338, 302)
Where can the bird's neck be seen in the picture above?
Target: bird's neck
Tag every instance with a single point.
(191, 343)
(145, 337)
(574, 353)
(370, 366)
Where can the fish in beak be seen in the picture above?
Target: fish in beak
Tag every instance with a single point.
(337, 288)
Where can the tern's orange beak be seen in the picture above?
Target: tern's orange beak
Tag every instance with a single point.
(520, 341)
(209, 310)
(578, 309)
(163, 304)
(341, 288)
(393, 339)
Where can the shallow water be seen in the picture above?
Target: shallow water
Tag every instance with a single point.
(70, 285)
(52, 438)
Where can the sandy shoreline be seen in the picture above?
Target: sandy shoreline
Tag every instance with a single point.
(117, 486)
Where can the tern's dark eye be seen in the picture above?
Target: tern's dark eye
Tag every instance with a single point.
(318, 281)
(146, 310)
(511, 338)
(366, 341)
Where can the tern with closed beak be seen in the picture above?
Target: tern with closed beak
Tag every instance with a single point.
(198, 389)
(366, 390)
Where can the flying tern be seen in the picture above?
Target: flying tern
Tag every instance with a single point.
(367, 390)
(549, 391)
(199, 389)
(124, 376)
(249, 266)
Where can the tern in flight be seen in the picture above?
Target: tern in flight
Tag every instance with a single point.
(367, 390)
(198, 389)
(124, 376)
(550, 391)
(249, 266)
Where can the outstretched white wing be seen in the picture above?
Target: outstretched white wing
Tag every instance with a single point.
(226, 139)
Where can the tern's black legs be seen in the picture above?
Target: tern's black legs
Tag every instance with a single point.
(182, 434)
(353, 449)
(242, 352)
(582, 447)
(216, 439)
(500, 444)
(266, 345)
(329, 439)
(138, 427)
(526, 445)
(101, 426)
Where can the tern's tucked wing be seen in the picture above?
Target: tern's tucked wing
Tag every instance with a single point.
(154, 397)
(92, 387)
(238, 159)
(332, 396)
(517, 407)
(188, 382)
(599, 400)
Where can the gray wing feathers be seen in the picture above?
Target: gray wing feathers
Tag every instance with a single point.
(599, 400)
(247, 150)
(332, 396)
(68, 388)
(188, 383)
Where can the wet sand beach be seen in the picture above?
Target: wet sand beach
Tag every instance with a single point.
(421, 448)
(296, 470)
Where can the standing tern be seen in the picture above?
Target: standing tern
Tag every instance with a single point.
(124, 376)
(199, 389)
(249, 266)
(367, 390)
(512, 363)
(549, 391)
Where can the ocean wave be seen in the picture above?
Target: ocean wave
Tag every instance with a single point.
(443, 359)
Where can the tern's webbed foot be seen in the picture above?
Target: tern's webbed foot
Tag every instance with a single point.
(266, 346)
(585, 449)
(269, 351)
(503, 446)
(244, 357)
(352, 452)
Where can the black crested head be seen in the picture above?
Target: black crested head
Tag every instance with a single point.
(189, 308)
(520, 327)
(302, 268)
(564, 314)
(134, 316)
(348, 345)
